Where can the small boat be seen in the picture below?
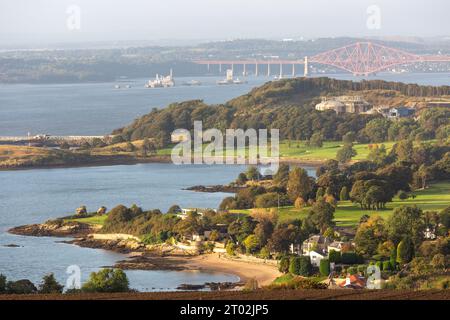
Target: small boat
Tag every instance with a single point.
(191, 83)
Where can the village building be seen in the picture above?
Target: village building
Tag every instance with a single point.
(344, 104)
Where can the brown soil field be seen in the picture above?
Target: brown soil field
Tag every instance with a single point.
(342, 294)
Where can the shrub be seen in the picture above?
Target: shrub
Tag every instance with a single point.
(24, 286)
(299, 203)
(294, 265)
(352, 270)
(50, 285)
(362, 268)
(334, 256)
(107, 280)
(324, 267)
(350, 258)
(264, 253)
(283, 264)
(402, 195)
(251, 285)
(379, 264)
(343, 196)
(300, 266)
(387, 265)
(2, 283)
(230, 248)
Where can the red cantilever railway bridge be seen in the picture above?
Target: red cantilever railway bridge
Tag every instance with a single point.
(361, 58)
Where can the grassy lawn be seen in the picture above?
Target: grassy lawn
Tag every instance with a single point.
(91, 220)
(299, 150)
(436, 197)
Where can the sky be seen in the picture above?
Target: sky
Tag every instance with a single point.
(67, 21)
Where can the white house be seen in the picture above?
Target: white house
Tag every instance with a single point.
(315, 258)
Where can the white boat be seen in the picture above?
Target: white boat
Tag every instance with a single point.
(161, 82)
(230, 80)
(192, 83)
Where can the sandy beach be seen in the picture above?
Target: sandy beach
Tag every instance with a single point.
(263, 273)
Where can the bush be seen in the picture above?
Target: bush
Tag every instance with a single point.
(2, 283)
(264, 253)
(230, 248)
(361, 268)
(24, 286)
(175, 209)
(283, 264)
(351, 258)
(50, 285)
(352, 270)
(387, 266)
(107, 280)
(300, 266)
(334, 256)
(324, 267)
(402, 195)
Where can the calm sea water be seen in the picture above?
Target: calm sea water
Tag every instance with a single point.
(35, 196)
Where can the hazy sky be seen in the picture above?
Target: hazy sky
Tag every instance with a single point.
(32, 21)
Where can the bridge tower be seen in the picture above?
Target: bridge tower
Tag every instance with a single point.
(305, 73)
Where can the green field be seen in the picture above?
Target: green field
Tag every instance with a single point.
(299, 150)
(91, 220)
(436, 197)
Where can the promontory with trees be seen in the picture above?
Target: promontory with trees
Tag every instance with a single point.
(288, 105)
(380, 198)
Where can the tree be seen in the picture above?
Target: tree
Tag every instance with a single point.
(282, 176)
(107, 280)
(230, 248)
(343, 195)
(377, 154)
(300, 266)
(404, 150)
(252, 173)
(269, 200)
(349, 137)
(324, 267)
(406, 222)
(294, 265)
(174, 209)
(438, 261)
(316, 140)
(334, 256)
(299, 203)
(241, 179)
(2, 283)
(423, 173)
(322, 215)
(370, 235)
(50, 285)
(251, 244)
(299, 184)
(283, 264)
(320, 193)
(23, 286)
(404, 251)
(393, 258)
(346, 153)
(377, 129)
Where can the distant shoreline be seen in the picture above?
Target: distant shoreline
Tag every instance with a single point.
(118, 161)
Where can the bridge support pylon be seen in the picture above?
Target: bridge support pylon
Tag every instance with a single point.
(306, 71)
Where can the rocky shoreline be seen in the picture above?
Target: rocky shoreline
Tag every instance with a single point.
(216, 188)
(69, 229)
(140, 256)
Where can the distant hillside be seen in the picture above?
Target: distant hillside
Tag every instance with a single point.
(289, 106)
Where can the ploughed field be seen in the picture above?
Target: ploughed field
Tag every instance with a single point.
(340, 294)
